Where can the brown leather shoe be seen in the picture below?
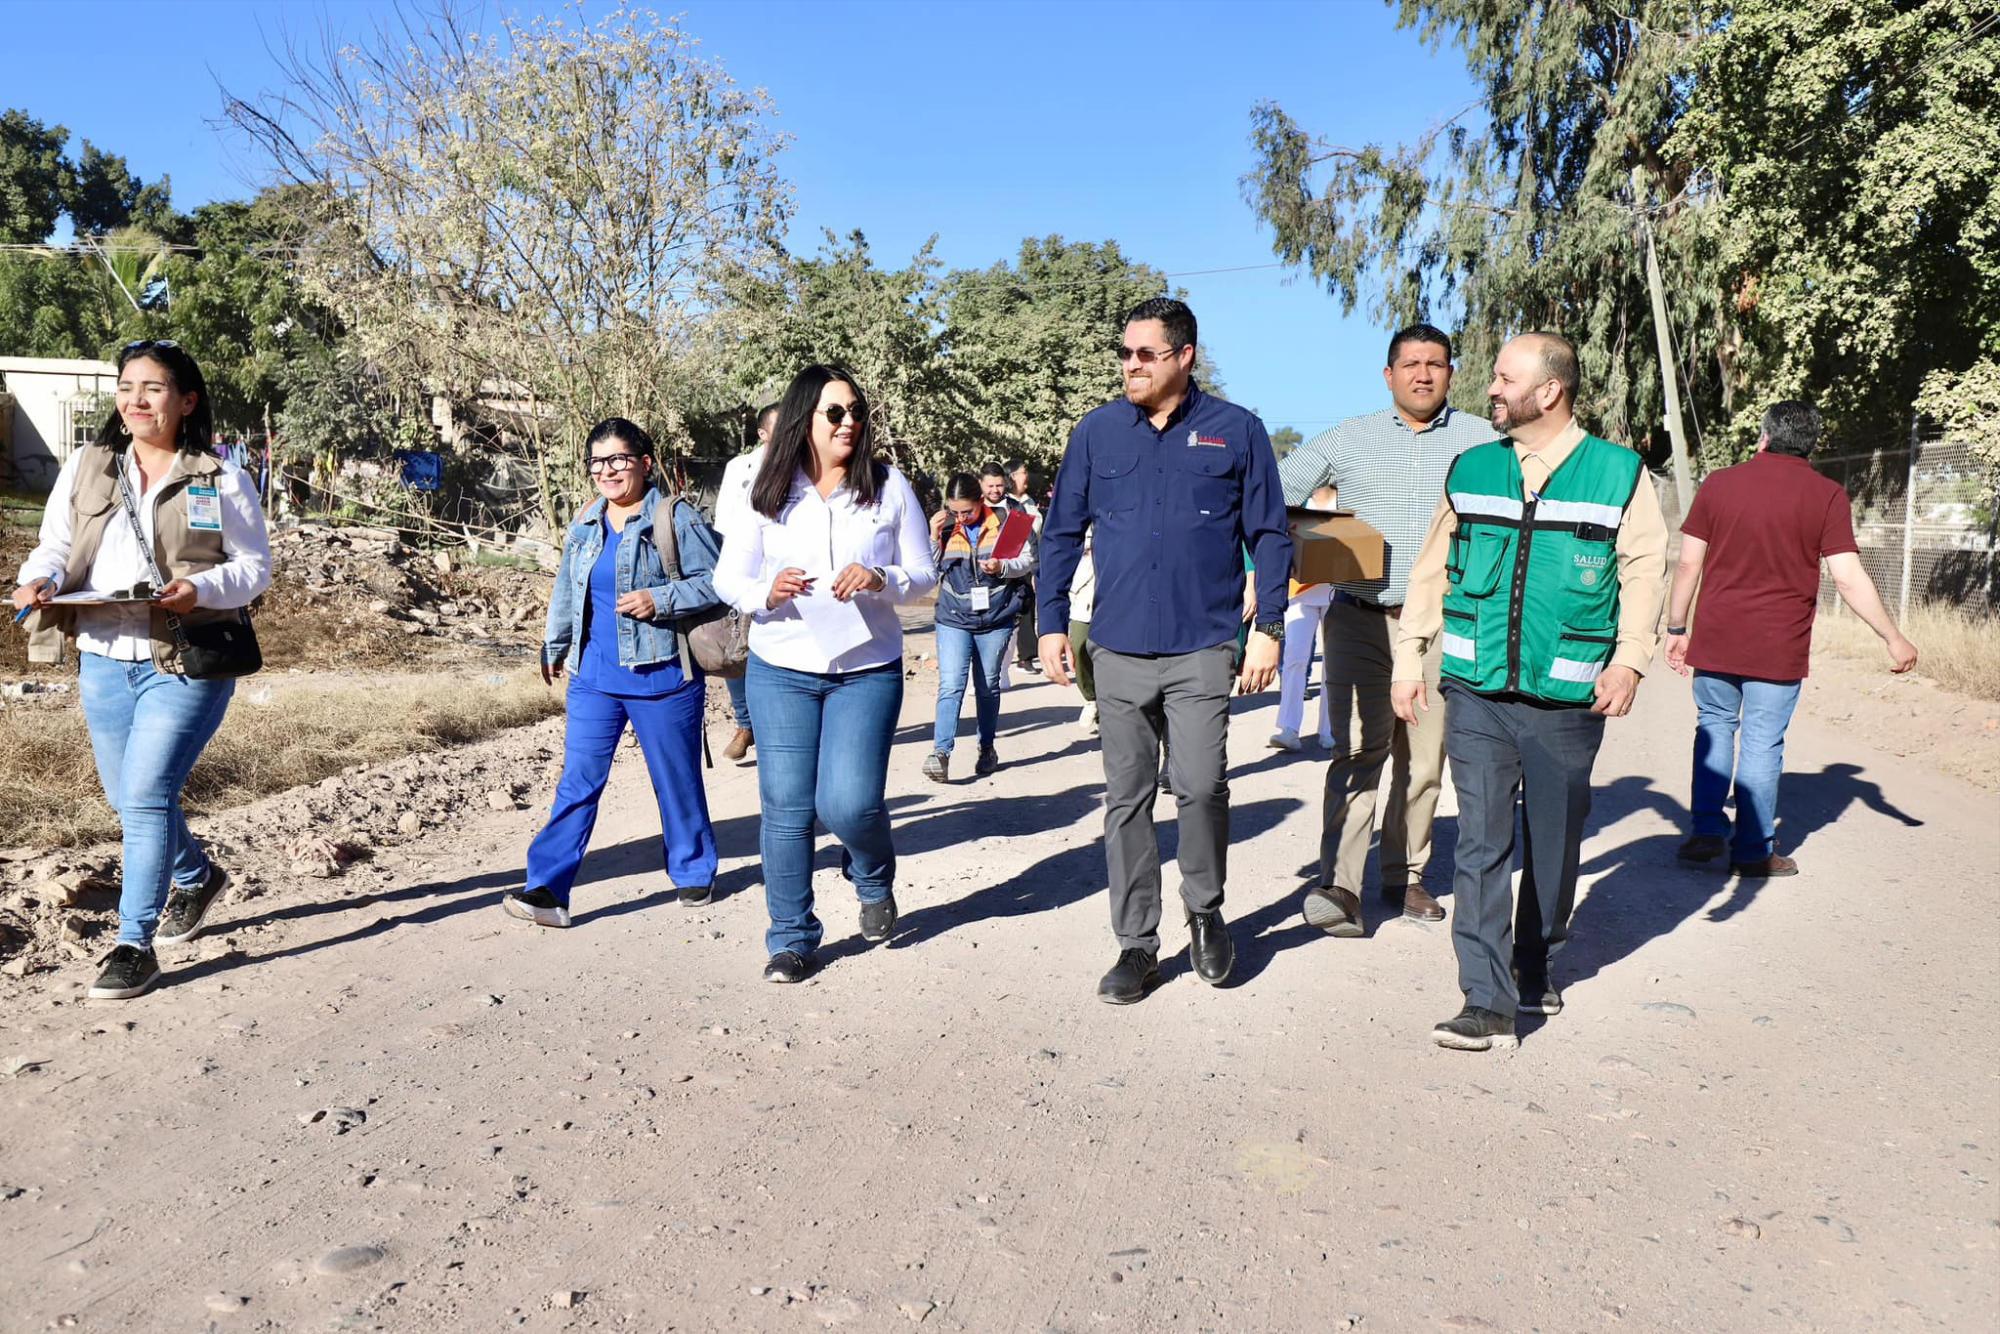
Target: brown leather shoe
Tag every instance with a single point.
(1334, 910)
(1415, 901)
(739, 745)
(1703, 848)
(1775, 865)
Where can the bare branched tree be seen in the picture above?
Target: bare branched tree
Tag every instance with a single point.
(544, 218)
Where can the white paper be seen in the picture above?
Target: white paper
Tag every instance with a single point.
(835, 626)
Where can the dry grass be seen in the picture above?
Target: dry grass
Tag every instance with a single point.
(308, 730)
(1958, 651)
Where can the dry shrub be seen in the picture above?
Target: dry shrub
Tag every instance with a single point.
(308, 730)
(1958, 650)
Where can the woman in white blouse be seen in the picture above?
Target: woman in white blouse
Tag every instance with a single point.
(148, 719)
(830, 542)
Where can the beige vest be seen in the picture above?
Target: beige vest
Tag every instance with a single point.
(178, 549)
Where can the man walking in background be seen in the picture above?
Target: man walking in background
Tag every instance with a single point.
(1752, 544)
(1026, 652)
(1174, 485)
(738, 476)
(1542, 577)
(1388, 468)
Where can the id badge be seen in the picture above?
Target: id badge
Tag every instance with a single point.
(982, 597)
(204, 509)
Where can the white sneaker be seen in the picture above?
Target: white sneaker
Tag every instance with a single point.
(1086, 718)
(1284, 739)
(535, 905)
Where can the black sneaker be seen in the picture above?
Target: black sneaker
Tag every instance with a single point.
(989, 760)
(787, 966)
(1539, 995)
(695, 896)
(937, 767)
(129, 970)
(1135, 973)
(878, 919)
(535, 905)
(188, 908)
(1474, 1029)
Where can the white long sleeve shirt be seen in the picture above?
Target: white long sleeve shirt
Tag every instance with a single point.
(739, 475)
(124, 630)
(823, 536)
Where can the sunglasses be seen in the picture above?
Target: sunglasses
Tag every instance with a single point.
(613, 463)
(839, 413)
(1146, 355)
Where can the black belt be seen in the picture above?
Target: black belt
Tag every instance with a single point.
(1346, 598)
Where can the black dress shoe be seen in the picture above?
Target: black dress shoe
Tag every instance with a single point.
(1475, 1029)
(787, 966)
(1135, 973)
(1210, 949)
(878, 919)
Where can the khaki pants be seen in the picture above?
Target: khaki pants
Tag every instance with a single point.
(1366, 734)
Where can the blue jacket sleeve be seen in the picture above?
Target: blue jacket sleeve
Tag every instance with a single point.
(698, 550)
(1062, 534)
(1265, 531)
(559, 631)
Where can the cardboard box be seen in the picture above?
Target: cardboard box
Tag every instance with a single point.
(1333, 547)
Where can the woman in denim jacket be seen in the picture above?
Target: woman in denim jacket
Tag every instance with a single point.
(612, 618)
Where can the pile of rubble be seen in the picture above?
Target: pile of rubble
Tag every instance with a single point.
(406, 591)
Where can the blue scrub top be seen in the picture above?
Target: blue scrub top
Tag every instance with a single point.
(598, 667)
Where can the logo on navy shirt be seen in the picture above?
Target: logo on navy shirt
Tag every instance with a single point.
(1197, 440)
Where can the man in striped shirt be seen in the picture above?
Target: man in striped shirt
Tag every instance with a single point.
(1388, 468)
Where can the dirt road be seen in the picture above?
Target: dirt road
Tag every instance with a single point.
(1766, 1107)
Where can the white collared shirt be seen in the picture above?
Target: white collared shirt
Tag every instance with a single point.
(124, 630)
(739, 475)
(823, 536)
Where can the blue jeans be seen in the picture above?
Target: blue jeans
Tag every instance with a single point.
(1740, 732)
(147, 729)
(956, 649)
(669, 731)
(739, 700)
(816, 759)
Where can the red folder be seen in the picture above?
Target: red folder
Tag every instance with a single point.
(1014, 535)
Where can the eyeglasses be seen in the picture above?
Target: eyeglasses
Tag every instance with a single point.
(138, 343)
(840, 412)
(613, 463)
(1146, 355)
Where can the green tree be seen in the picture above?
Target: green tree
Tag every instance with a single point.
(1523, 210)
(884, 325)
(51, 306)
(34, 178)
(1285, 439)
(1033, 339)
(103, 195)
(1853, 148)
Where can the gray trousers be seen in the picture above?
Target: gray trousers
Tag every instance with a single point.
(1501, 750)
(1138, 698)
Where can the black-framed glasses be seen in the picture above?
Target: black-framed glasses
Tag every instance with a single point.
(138, 343)
(837, 413)
(613, 463)
(1146, 355)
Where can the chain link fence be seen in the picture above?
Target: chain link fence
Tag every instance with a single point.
(1927, 520)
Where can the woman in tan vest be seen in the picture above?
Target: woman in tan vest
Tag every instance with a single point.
(148, 719)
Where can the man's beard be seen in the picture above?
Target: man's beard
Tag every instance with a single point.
(1519, 413)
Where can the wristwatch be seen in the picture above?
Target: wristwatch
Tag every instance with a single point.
(1274, 629)
(881, 577)
(1677, 629)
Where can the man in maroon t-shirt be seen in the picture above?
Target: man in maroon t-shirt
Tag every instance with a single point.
(1753, 541)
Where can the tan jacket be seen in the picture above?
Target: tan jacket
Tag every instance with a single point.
(178, 549)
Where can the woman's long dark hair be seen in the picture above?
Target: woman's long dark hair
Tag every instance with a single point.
(791, 444)
(197, 432)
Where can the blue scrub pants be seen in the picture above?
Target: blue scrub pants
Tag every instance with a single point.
(669, 729)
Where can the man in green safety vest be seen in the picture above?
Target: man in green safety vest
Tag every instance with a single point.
(1543, 573)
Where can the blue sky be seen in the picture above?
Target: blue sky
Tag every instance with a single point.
(981, 122)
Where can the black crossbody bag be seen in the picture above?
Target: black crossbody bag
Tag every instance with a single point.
(213, 651)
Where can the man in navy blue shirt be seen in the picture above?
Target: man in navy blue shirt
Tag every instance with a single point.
(1175, 486)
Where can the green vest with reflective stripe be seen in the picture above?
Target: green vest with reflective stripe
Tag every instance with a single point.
(1532, 606)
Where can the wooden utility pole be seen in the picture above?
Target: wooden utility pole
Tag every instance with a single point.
(1669, 381)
